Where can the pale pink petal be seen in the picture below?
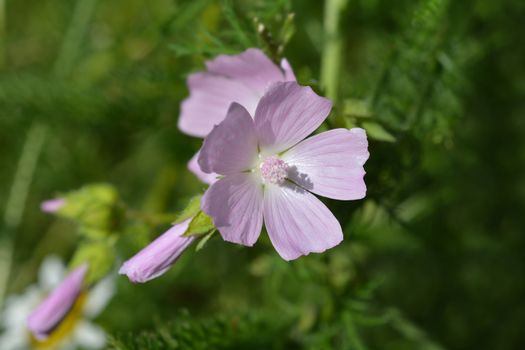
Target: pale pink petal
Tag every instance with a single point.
(288, 71)
(56, 306)
(235, 205)
(209, 100)
(231, 146)
(288, 113)
(158, 256)
(242, 78)
(330, 164)
(252, 68)
(297, 222)
(193, 166)
(52, 205)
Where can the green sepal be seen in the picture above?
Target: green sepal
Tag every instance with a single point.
(200, 224)
(100, 257)
(204, 240)
(191, 210)
(376, 132)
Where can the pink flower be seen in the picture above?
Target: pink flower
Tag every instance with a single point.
(57, 305)
(242, 78)
(270, 172)
(157, 257)
(52, 205)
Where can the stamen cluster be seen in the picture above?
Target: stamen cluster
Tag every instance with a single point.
(274, 170)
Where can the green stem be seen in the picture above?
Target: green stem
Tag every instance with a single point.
(411, 331)
(353, 337)
(3, 34)
(332, 49)
(73, 39)
(16, 201)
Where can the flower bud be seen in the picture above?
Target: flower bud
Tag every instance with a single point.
(52, 205)
(53, 310)
(157, 257)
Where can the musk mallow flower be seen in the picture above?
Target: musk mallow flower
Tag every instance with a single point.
(269, 173)
(157, 257)
(242, 78)
(46, 318)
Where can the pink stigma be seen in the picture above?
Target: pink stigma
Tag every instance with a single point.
(274, 170)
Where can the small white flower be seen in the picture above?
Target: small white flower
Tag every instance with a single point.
(75, 331)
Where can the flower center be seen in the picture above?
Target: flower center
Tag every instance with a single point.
(274, 170)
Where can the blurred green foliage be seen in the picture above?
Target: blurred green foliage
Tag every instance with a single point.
(432, 258)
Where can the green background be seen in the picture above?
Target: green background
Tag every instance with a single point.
(433, 258)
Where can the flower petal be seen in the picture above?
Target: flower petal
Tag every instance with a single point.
(18, 307)
(330, 164)
(14, 339)
(288, 71)
(158, 256)
(52, 271)
(193, 166)
(231, 146)
(56, 306)
(100, 295)
(235, 204)
(288, 113)
(297, 222)
(252, 68)
(209, 100)
(89, 336)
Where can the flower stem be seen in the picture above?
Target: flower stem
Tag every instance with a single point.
(3, 34)
(333, 47)
(15, 204)
(73, 39)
